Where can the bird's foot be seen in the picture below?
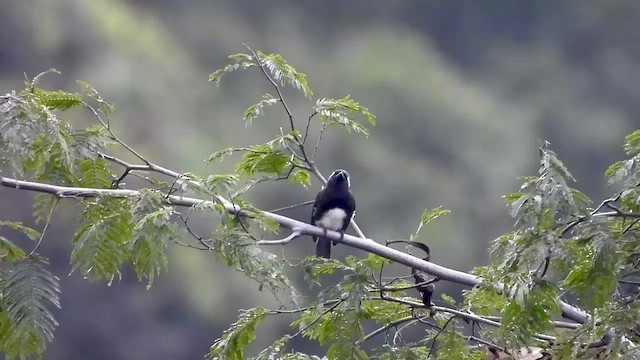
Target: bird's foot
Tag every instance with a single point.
(341, 237)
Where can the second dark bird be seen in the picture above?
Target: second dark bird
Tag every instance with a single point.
(333, 209)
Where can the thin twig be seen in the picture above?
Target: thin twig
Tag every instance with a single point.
(113, 135)
(284, 241)
(192, 233)
(46, 226)
(438, 334)
(306, 130)
(309, 202)
(313, 154)
(317, 318)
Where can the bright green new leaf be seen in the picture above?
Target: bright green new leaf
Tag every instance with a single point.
(429, 215)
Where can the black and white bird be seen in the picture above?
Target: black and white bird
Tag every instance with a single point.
(333, 209)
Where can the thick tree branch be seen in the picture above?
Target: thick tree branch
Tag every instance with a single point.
(368, 245)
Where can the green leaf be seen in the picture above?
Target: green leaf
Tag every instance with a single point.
(94, 173)
(42, 206)
(632, 143)
(513, 197)
(9, 251)
(346, 351)
(300, 176)
(256, 110)
(340, 111)
(152, 232)
(233, 245)
(485, 300)
(88, 90)
(384, 312)
(276, 350)
(220, 154)
(375, 262)
(58, 100)
(529, 311)
(242, 61)
(315, 267)
(220, 184)
(429, 215)
(257, 216)
(28, 291)
(33, 139)
(102, 241)
(389, 352)
(230, 346)
(284, 73)
(86, 143)
(593, 271)
(51, 159)
(263, 159)
(17, 225)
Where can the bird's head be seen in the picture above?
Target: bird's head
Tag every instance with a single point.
(339, 178)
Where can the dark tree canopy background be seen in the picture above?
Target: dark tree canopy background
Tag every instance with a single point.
(464, 93)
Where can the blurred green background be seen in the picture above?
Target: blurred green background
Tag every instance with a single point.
(464, 92)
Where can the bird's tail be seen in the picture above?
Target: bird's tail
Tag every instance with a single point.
(323, 248)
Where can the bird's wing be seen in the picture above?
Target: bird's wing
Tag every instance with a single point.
(351, 211)
(314, 212)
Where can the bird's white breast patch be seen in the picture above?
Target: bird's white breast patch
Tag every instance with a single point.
(332, 219)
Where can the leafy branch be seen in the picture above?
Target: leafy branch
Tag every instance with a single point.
(593, 252)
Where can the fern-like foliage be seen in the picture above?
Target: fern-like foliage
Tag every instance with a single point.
(341, 111)
(263, 159)
(230, 346)
(278, 350)
(241, 61)
(87, 143)
(9, 251)
(152, 232)
(102, 242)
(234, 247)
(28, 127)
(35, 141)
(58, 100)
(270, 158)
(257, 109)
(94, 173)
(545, 203)
(28, 290)
(284, 72)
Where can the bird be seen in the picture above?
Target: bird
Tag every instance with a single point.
(333, 209)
